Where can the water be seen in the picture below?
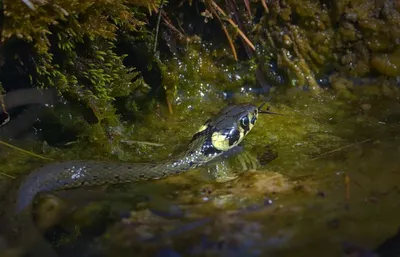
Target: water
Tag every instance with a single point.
(335, 180)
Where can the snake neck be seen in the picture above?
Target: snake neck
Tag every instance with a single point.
(200, 152)
(182, 162)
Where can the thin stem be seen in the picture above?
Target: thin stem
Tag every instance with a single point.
(158, 26)
(24, 151)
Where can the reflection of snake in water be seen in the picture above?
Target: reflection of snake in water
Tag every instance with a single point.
(218, 135)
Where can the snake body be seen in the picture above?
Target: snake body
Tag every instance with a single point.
(218, 135)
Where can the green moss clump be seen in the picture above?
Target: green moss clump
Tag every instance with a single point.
(87, 18)
(74, 51)
(387, 63)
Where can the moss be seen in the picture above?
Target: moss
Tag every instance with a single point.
(85, 18)
(198, 76)
(348, 32)
(379, 43)
(74, 51)
(338, 36)
(387, 63)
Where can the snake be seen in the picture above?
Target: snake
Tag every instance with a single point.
(219, 134)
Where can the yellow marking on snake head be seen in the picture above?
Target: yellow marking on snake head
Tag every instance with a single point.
(220, 141)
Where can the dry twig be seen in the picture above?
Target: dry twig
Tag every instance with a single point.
(245, 38)
(227, 34)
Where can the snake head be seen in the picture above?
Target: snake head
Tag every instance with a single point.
(226, 129)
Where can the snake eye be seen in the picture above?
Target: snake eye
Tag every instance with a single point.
(244, 121)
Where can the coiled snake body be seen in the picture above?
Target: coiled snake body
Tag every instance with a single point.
(218, 135)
